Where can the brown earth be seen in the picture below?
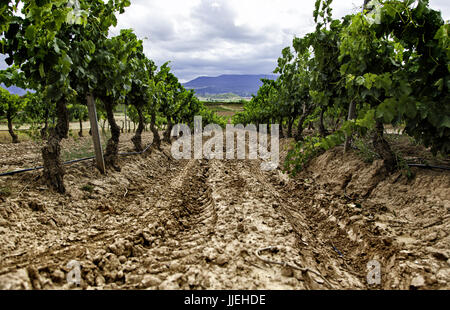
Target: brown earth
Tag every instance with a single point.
(199, 224)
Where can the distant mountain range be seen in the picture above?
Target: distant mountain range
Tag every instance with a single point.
(241, 85)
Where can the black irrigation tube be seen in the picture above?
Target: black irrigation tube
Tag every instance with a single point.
(423, 166)
(146, 149)
(70, 162)
(428, 166)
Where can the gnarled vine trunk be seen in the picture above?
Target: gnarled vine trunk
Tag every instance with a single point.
(112, 146)
(122, 128)
(290, 124)
(168, 130)
(281, 128)
(44, 131)
(137, 139)
(299, 134)
(15, 138)
(80, 134)
(322, 131)
(53, 167)
(156, 138)
(383, 148)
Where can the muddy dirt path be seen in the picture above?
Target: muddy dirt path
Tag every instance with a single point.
(164, 224)
(196, 224)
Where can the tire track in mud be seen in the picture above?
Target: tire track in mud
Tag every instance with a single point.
(212, 233)
(187, 217)
(212, 221)
(192, 224)
(246, 224)
(315, 249)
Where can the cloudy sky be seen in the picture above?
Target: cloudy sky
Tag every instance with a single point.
(213, 37)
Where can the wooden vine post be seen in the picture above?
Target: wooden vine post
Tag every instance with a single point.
(100, 161)
(125, 126)
(351, 116)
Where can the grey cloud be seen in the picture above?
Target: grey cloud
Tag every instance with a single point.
(219, 22)
(161, 32)
(157, 28)
(209, 42)
(257, 61)
(215, 27)
(212, 27)
(147, 23)
(189, 69)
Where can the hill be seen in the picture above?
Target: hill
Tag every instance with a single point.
(241, 85)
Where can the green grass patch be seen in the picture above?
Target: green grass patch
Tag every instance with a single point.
(366, 151)
(83, 151)
(87, 188)
(5, 192)
(220, 109)
(5, 137)
(225, 107)
(84, 147)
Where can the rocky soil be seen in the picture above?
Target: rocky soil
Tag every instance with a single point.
(213, 224)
